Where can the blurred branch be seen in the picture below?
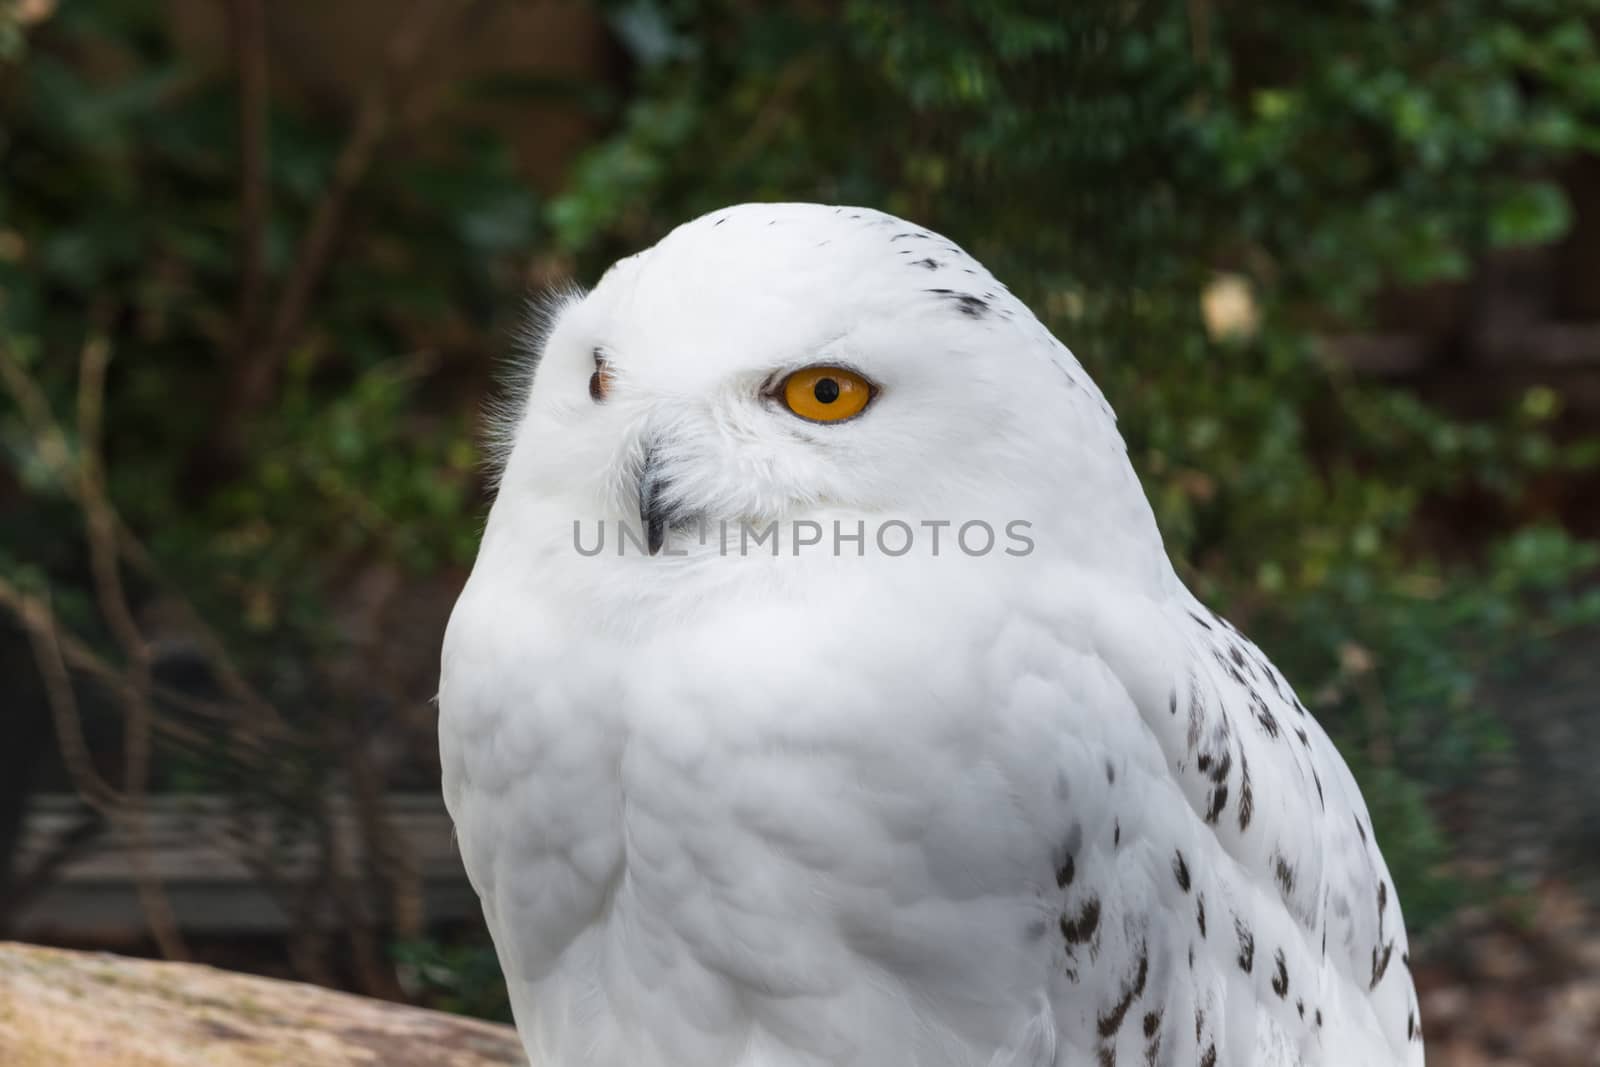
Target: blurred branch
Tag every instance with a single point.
(1200, 29)
(39, 621)
(47, 436)
(257, 375)
(272, 316)
(81, 475)
(109, 541)
(254, 712)
(306, 937)
(248, 24)
(34, 611)
(374, 116)
(101, 528)
(94, 789)
(386, 856)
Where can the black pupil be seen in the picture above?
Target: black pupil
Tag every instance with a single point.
(826, 391)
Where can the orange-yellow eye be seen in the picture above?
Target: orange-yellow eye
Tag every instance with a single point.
(826, 394)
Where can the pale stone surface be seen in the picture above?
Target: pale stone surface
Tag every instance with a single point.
(95, 1010)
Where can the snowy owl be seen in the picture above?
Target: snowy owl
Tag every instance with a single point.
(823, 696)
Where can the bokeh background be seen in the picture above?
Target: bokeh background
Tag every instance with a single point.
(1337, 267)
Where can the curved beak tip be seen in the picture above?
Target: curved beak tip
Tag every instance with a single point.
(652, 503)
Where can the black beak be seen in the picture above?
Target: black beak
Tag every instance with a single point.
(652, 501)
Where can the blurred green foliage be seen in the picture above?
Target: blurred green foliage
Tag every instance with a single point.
(1108, 160)
(462, 976)
(120, 203)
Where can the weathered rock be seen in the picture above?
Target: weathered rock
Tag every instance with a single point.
(94, 1010)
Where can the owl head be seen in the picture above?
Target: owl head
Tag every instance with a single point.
(779, 362)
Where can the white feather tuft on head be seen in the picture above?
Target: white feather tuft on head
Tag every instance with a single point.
(503, 411)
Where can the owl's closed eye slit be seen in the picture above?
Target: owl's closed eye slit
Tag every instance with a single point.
(600, 380)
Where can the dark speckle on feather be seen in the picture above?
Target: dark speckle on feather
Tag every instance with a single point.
(1218, 770)
(1380, 962)
(1110, 1021)
(974, 307)
(1247, 794)
(1285, 875)
(1081, 929)
(1247, 946)
(1219, 800)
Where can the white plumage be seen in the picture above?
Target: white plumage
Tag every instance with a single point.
(1003, 809)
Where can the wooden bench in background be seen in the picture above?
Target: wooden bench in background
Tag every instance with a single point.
(213, 865)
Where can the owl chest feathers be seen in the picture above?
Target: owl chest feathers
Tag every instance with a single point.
(715, 836)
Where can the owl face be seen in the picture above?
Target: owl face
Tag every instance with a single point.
(772, 361)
